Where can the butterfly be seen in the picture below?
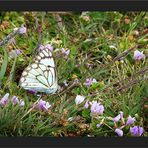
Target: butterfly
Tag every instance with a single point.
(41, 75)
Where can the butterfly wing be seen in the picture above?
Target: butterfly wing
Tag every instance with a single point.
(41, 75)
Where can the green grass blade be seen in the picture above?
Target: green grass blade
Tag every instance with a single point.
(4, 66)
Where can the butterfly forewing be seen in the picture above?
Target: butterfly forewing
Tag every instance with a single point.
(41, 74)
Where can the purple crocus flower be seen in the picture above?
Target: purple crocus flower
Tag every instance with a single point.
(41, 47)
(130, 120)
(42, 105)
(136, 130)
(119, 132)
(4, 101)
(21, 103)
(88, 82)
(117, 118)
(17, 52)
(98, 125)
(14, 53)
(79, 99)
(49, 47)
(15, 100)
(97, 108)
(22, 30)
(86, 105)
(65, 52)
(138, 55)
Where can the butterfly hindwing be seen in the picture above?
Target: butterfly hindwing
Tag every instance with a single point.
(41, 74)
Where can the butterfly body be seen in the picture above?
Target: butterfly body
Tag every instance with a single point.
(41, 75)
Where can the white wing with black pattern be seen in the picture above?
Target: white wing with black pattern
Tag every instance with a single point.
(41, 75)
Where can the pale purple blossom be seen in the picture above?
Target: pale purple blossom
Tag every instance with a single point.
(79, 99)
(42, 105)
(86, 104)
(98, 125)
(65, 52)
(117, 118)
(21, 103)
(14, 53)
(130, 120)
(97, 108)
(49, 47)
(138, 55)
(15, 100)
(136, 130)
(41, 47)
(119, 132)
(17, 51)
(4, 101)
(88, 82)
(22, 30)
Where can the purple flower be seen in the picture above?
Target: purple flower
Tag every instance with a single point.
(88, 82)
(97, 108)
(130, 120)
(15, 100)
(49, 46)
(117, 118)
(119, 132)
(14, 53)
(136, 130)
(86, 104)
(79, 99)
(21, 103)
(4, 100)
(42, 105)
(22, 30)
(138, 55)
(17, 52)
(98, 125)
(41, 47)
(65, 52)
